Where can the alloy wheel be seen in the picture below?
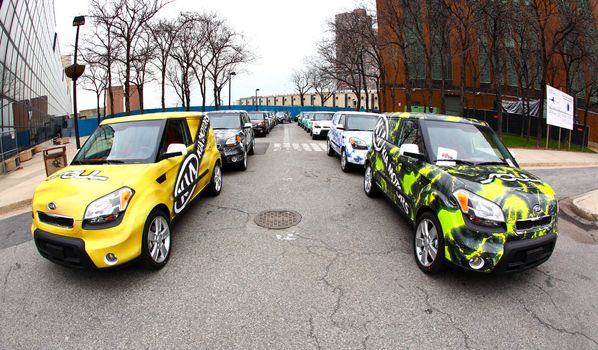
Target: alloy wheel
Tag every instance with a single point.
(426, 242)
(159, 239)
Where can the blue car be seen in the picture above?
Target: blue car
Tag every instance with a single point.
(350, 137)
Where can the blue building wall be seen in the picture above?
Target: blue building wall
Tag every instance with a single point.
(87, 126)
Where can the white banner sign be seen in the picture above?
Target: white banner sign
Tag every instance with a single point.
(559, 108)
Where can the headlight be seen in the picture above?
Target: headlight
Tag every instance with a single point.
(233, 141)
(479, 210)
(358, 143)
(108, 208)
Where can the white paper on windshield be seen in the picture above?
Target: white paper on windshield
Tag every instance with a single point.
(446, 156)
(510, 162)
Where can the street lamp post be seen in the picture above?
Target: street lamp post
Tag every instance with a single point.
(74, 71)
(256, 101)
(230, 78)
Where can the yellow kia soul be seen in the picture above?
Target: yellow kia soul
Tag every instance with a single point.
(115, 202)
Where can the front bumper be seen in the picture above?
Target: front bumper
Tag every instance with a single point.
(260, 130)
(231, 155)
(501, 251)
(320, 131)
(84, 248)
(356, 156)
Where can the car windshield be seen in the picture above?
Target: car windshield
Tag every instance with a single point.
(122, 143)
(361, 122)
(324, 116)
(256, 116)
(468, 143)
(225, 120)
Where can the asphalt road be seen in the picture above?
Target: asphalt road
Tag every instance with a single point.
(344, 278)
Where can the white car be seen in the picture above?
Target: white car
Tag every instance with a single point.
(321, 123)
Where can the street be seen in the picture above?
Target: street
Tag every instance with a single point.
(343, 278)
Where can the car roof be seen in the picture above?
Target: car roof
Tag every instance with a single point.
(359, 113)
(153, 116)
(227, 111)
(435, 117)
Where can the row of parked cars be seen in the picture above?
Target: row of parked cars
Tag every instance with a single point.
(235, 133)
(453, 180)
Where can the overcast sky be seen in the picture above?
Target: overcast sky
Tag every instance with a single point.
(281, 33)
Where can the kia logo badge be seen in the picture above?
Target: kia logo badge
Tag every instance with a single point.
(537, 209)
(52, 206)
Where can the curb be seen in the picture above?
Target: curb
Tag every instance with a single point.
(559, 165)
(15, 206)
(580, 210)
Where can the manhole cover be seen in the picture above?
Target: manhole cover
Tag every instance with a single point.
(277, 219)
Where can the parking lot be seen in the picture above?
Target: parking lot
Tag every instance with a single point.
(344, 277)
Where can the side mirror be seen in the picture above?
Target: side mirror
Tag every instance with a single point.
(247, 125)
(411, 150)
(340, 127)
(174, 150)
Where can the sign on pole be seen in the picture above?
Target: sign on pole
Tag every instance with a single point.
(559, 108)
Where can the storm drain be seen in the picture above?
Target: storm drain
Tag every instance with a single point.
(277, 219)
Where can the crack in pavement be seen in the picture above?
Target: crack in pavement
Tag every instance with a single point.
(450, 317)
(5, 283)
(554, 328)
(312, 334)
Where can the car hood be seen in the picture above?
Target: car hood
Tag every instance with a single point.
(521, 194)
(364, 135)
(73, 188)
(324, 123)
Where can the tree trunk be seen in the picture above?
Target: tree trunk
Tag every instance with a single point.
(163, 87)
(98, 107)
(127, 77)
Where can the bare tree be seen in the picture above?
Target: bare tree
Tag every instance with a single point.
(145, 52)
(302, 82)
(164, 33)
(131, 18)
(228, 52)
(184, 54)
(95, 80)
(323, 86)
(101, 46)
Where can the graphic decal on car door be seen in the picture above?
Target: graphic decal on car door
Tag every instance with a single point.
(188, 176)
(380, 137)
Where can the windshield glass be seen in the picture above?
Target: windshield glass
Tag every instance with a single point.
(324, 116)
(361, 122)
(256, 116)
(128, 143)
(465, 142)
(225, 120)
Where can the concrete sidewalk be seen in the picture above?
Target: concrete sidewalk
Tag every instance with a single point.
(586, 206)
(17, 187)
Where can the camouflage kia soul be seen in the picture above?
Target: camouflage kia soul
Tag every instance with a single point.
(470, 203)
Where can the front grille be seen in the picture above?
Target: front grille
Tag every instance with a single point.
(533, 224)
(55, 220)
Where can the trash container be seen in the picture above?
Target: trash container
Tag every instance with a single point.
(54, 159)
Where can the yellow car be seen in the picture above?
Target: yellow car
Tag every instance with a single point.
(115, 202)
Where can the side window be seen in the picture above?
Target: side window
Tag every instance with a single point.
(176, 131)
(410, 133)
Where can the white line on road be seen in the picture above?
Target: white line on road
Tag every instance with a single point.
(306, 147)
(276, 147)
(296, 147)
(315, 147)
(286, 146)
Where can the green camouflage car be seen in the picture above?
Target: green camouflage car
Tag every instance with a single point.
(470, 203)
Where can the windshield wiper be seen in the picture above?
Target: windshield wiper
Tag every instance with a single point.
(97, 161)
(456, 161)
(501, 162)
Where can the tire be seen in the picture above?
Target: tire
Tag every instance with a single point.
(243, 165)
(427, 238)
(252, 149)
(345, 165)
(156, 250)
(369, 185)
(215, 186)
(329, 149)
(313, 137)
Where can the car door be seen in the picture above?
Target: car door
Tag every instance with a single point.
(407, 167)
(175, 131)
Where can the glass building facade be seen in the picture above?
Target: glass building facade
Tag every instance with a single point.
(33, 88)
